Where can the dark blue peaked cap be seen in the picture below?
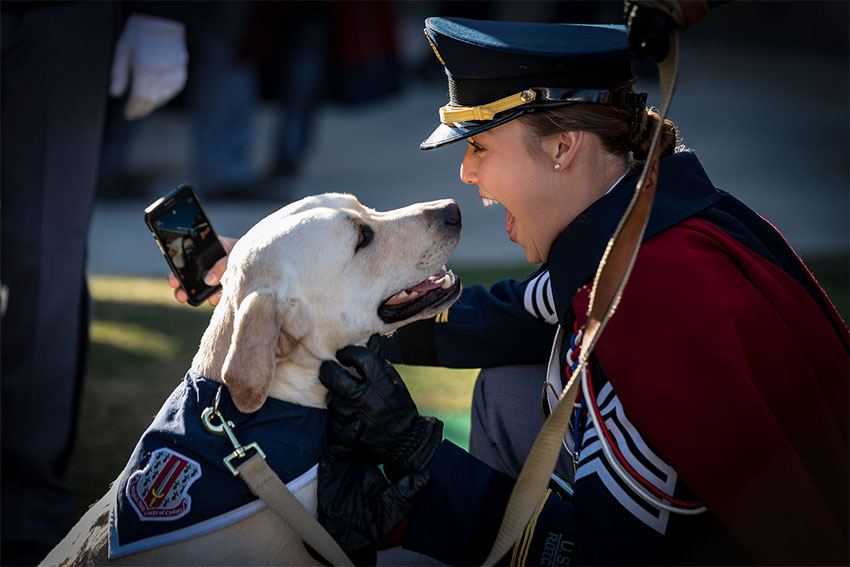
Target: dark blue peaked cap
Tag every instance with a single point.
(498, 71)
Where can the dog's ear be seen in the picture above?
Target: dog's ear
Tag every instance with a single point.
(265, 330)
(249, 366)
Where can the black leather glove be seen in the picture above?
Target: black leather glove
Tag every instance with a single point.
(357, 505)
(373, 414)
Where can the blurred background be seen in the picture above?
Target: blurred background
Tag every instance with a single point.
(287, 99)
(762, 98)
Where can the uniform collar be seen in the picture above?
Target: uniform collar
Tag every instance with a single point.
(684, 189)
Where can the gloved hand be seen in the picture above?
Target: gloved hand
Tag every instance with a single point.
(357, 505)
(155, 48)
(650, 23)
(374, 415)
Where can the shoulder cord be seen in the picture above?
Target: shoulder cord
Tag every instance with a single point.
(611, 278)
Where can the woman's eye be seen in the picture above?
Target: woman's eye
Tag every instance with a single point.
(475, 147)
(365, 236)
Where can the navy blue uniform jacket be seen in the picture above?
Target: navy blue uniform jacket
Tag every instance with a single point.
(725, 353)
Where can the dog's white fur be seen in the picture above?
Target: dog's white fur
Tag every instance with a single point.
(295, 291)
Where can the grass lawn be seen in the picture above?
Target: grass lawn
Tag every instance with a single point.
(143, 341)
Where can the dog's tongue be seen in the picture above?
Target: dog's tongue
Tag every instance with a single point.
(433, 282)
(439, 279)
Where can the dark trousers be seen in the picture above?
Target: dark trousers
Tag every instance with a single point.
(55, 72)
(507, 416)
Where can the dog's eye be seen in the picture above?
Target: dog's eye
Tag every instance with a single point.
(366, 235)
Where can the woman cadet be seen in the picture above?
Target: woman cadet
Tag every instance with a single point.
(721, 380)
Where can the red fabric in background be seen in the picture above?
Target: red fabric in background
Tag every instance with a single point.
(734, 374)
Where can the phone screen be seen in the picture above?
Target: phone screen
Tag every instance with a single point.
(186, 239)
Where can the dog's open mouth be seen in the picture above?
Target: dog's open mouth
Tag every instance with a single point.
(438, 289)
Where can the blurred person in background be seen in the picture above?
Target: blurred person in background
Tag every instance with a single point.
(246, 54)
(221, 98)
(58, 60)
(290, 41)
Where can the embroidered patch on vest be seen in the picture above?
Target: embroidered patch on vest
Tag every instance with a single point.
(159, 492)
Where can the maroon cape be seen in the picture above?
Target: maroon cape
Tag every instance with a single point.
(736, 376)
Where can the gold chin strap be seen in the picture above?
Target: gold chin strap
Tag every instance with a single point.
(449, 113)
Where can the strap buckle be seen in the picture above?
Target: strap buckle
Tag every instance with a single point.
(225, 429)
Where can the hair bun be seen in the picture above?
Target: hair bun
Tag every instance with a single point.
(644, 128)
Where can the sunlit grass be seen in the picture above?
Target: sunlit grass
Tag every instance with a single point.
(152, 291)
(133, 339)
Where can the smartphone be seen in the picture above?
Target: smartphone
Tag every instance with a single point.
(186, 239)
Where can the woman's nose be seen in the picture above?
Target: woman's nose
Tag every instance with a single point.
(468, 173)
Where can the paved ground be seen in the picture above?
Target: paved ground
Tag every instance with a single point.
(769, 124)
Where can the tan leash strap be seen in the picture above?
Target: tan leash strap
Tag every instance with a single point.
(265, 484)
(608, 285)
(620, 255)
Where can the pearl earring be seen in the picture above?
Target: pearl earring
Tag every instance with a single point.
(557, 166)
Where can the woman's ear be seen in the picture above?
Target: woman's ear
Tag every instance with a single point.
(567, 147)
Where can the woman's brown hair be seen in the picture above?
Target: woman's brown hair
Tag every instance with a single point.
(619, 130)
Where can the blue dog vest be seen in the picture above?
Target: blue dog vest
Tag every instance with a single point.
(176, 486)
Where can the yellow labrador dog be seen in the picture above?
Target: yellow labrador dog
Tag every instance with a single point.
(309, 279)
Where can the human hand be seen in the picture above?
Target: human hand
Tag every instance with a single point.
(373, 414)
(211, 277)
(357, 505)
(155, 48)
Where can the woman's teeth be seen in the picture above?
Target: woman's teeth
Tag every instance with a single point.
(487, 202)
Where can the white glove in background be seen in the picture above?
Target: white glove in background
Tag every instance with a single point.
(155, 49)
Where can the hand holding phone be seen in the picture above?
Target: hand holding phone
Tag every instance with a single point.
(212, 277)
(186, 239)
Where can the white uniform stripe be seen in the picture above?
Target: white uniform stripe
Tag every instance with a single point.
(591, 444)
(635, 436)
(542, 296)
(593, 461)
(666, 483)
(602, 398)
(538, 298)
(598, 466)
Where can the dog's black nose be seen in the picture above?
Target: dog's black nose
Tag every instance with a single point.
(451, 214)
(444, 214)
